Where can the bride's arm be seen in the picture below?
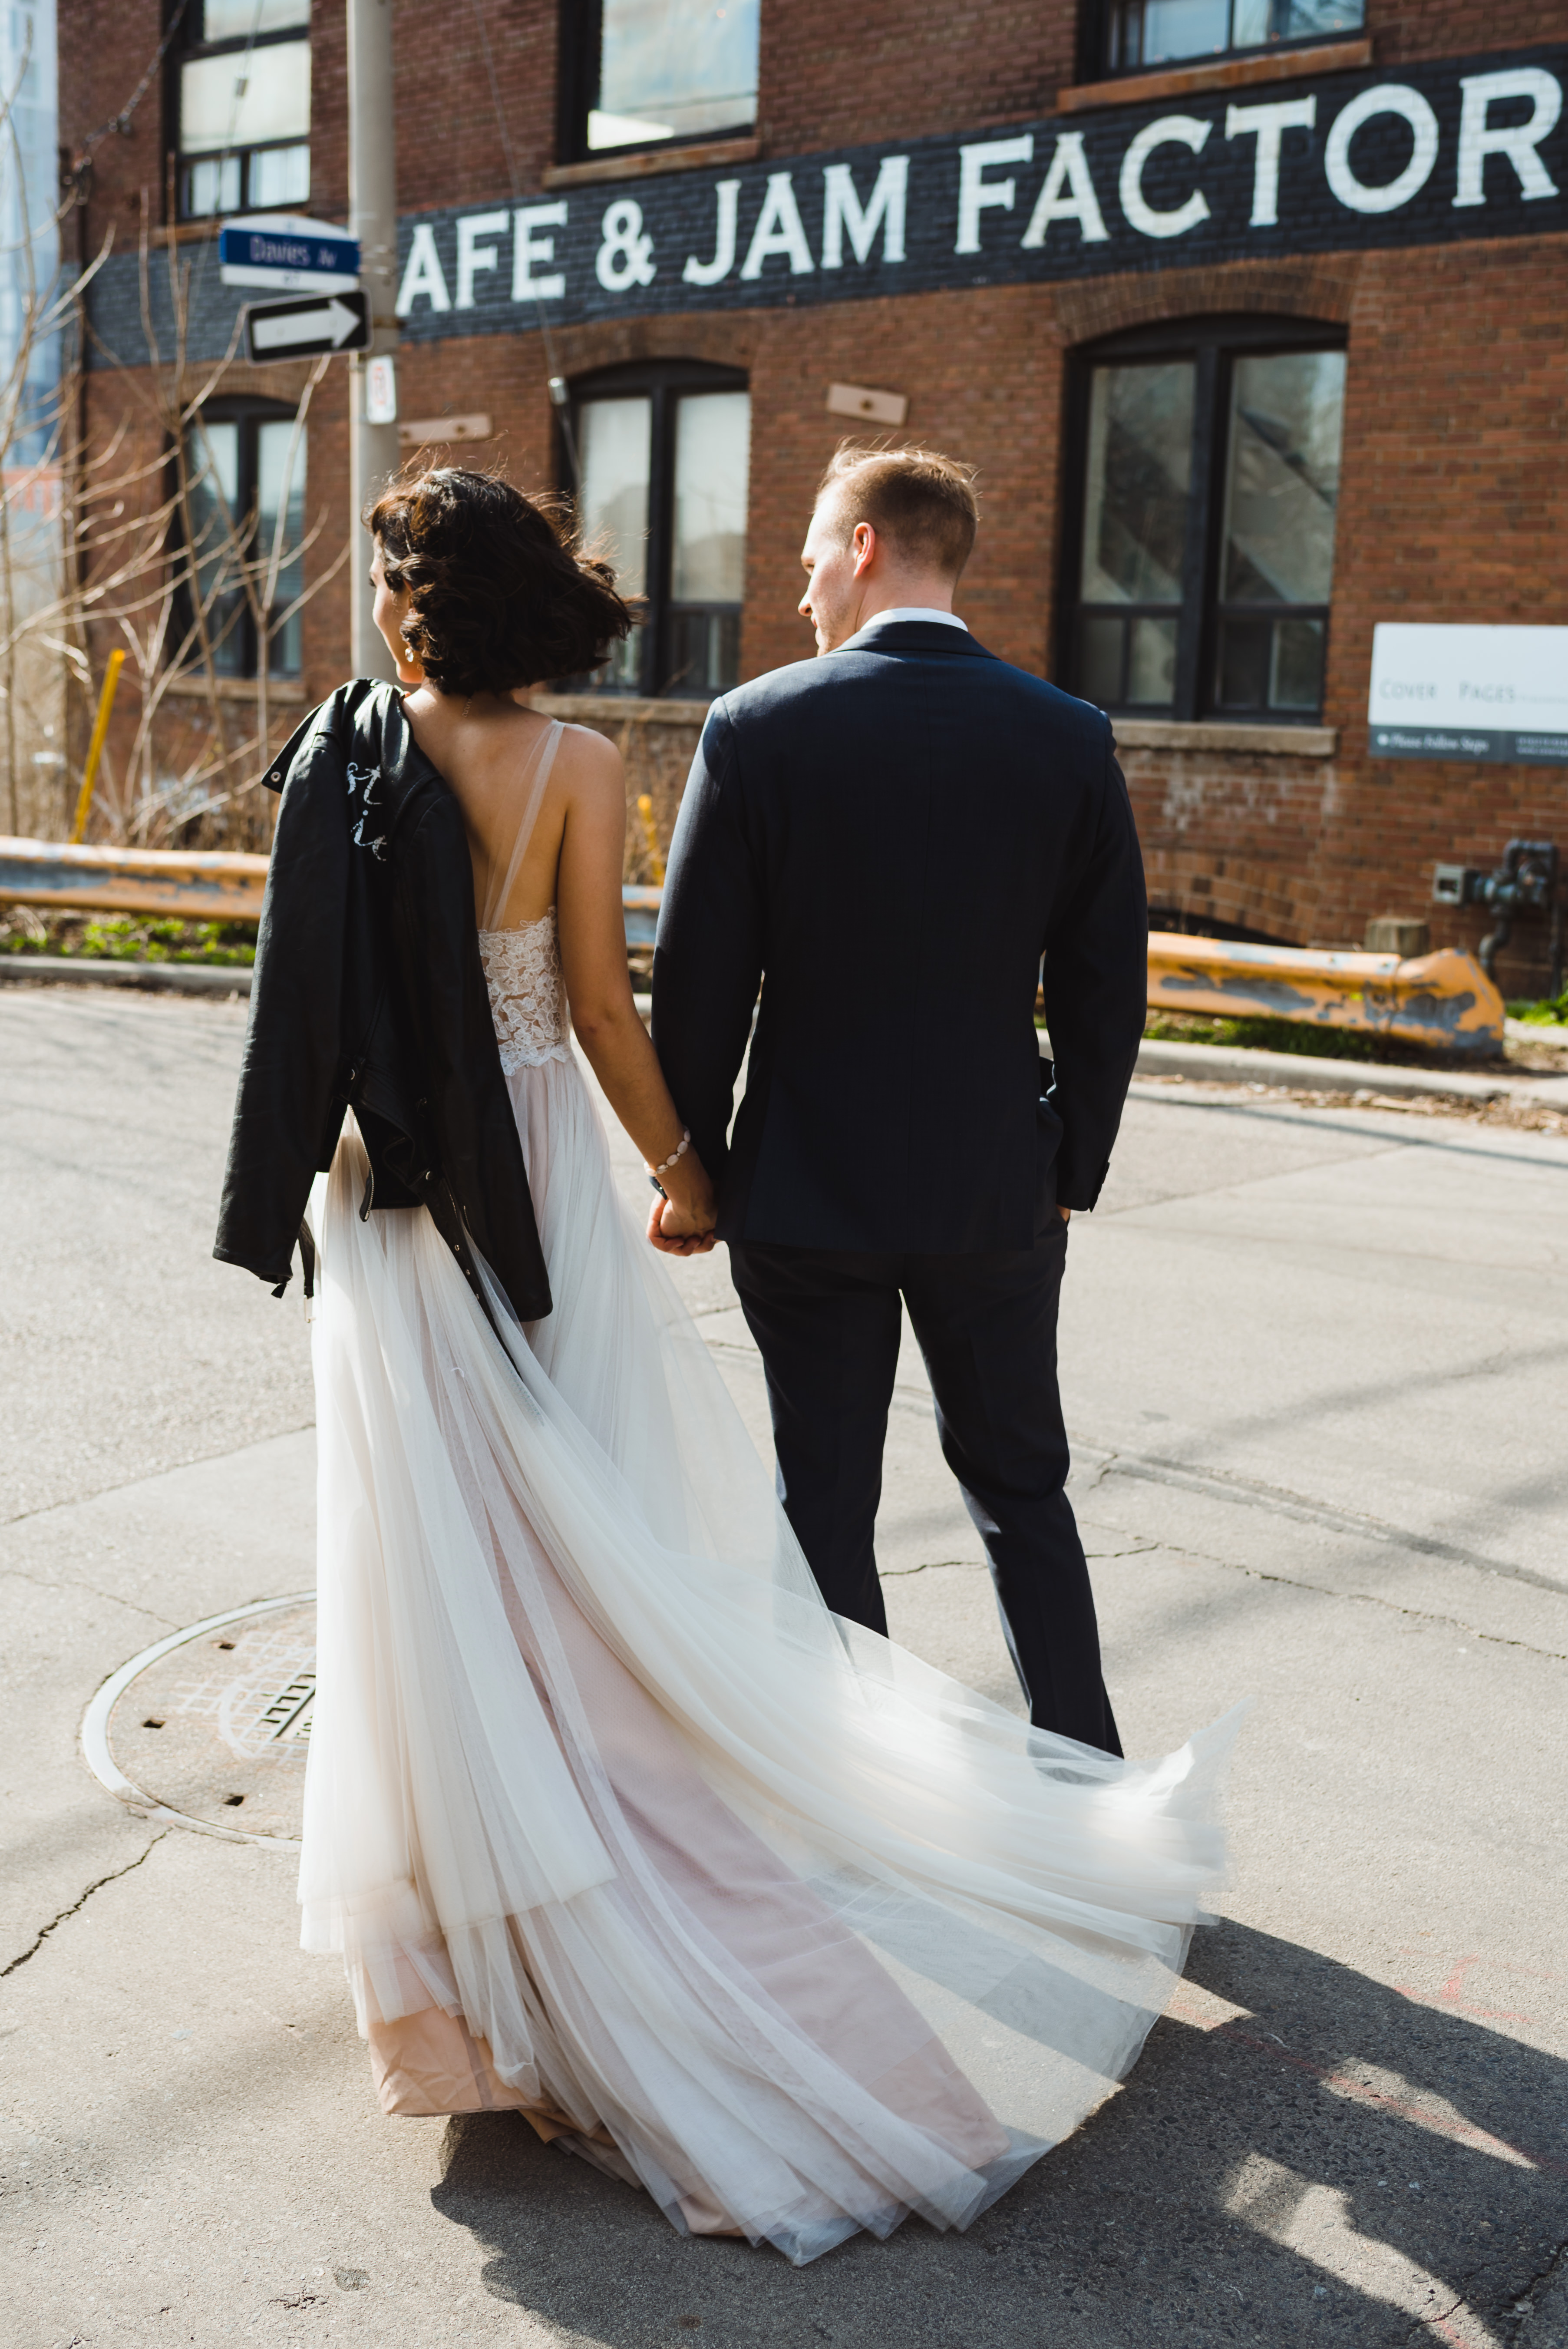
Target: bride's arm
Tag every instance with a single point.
(599, 992)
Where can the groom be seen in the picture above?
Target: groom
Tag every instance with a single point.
(888, 838)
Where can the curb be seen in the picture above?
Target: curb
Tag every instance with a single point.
(1532, 1031)
(1218, 1063)
(1234, 1063)
(149, 977)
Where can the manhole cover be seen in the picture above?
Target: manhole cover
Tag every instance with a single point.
(209, 1728)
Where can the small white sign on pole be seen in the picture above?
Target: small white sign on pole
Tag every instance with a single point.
(1468, 692)
(381, 390)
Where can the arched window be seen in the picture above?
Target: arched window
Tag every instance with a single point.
(1204, 478)
(245, 516)
(664, 452)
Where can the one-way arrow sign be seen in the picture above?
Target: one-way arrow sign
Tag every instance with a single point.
(304, 327)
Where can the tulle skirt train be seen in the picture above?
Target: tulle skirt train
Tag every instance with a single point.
(613, 1823)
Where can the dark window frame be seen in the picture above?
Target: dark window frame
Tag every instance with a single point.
(662, 382)
(1097, 24)
(580, 47)
(1213, 343)
(183, 50)
(244, 408)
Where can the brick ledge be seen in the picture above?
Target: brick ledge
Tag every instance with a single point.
(190, 685)
(1206, 734)
(605, 709)
(1225, 73)
(646, 163)
(1131, 733)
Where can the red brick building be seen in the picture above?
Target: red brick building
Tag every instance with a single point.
(1249, 312)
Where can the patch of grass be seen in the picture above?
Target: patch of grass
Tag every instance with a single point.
(1272, 1036)
(123, 937)
(1550, 1011)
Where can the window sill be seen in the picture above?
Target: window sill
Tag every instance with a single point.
(190, 686)
(600, 707)
(1222, 73)
(1209, 734)
(204, 231)
(647, 163)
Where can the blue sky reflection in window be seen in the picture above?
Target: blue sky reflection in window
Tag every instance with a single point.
(674, 69)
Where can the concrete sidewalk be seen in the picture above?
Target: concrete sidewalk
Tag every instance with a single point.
(1313, 1362)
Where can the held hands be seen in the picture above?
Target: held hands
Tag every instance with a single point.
(681, 1224)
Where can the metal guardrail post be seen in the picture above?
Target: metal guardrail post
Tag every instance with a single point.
(94, 748)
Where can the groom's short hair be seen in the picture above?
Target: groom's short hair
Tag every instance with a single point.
(923, 502)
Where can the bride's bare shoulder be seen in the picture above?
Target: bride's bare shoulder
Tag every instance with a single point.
(590, 765)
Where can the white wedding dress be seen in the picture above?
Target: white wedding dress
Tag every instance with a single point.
(610, 1820)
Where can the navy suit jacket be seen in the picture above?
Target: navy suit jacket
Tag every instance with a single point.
(888, 838)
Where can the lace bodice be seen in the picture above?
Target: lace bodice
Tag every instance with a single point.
(527, 1003)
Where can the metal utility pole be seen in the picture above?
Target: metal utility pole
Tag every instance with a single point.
(373, 219)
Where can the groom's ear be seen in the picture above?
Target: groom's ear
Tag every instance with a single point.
(864, 542)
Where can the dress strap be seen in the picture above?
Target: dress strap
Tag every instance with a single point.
(536, 775)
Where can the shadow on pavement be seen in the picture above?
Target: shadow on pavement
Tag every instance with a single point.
(1303, 2155)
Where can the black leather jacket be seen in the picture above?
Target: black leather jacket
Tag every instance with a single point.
(369, 994)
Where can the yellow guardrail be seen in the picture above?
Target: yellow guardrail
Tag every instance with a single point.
(1444, 1001)
(190, 884)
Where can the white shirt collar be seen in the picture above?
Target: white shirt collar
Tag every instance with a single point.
(910, 612)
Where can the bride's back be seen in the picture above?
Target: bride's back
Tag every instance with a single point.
(508, 769)
(481, 594)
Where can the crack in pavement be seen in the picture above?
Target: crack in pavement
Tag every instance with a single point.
(1351, 1598)
(1142, 1544)
(111, 1597)
(1467, 2302)
(112, 1878)
(152, 1477)
(1247, 1494)
(929, 1565)
(1524, 2303)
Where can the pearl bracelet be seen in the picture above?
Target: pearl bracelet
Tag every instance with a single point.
(665, 1164)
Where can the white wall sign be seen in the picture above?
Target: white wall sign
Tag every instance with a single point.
(1439, 152)
(1466, 693)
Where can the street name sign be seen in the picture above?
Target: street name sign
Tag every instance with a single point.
(287, 254)
(305, 327)
(1468, 692)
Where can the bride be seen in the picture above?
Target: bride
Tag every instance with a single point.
(611, 1822)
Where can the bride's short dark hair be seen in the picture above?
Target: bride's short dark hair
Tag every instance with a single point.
(500, 594)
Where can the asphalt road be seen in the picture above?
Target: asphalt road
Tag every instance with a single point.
(1314, 1368)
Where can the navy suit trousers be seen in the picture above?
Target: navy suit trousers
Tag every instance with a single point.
(827, 1323)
